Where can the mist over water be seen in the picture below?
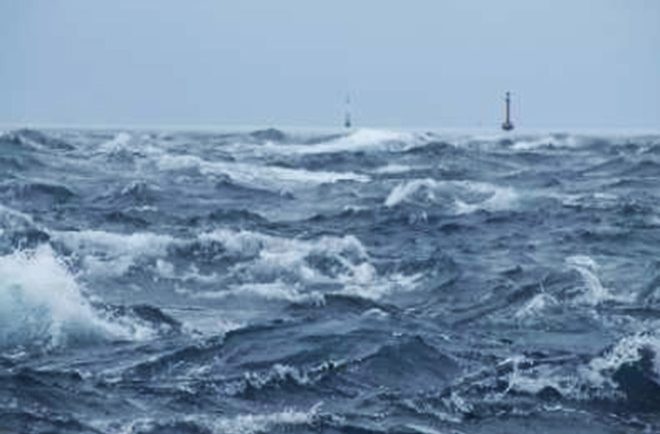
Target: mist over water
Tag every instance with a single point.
(341, 282)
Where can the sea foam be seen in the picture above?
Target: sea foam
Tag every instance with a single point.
(42, 305)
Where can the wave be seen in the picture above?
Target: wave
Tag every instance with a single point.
(120, 143)
(361, 140)
(433, 149)
(254, 176)
(135, 193)
(269, 134)
(561, 295)
(35, 191)
(593, 292)
(633, 365)
(548, 142)
(280, 376)
(297, 270)
(626, 375)
(42, 306)
(126, 149)
(410, 364)
(265, 259)
(14, 220)
(237, 216)
(338, 161)
(252, 264)
(231, 191)
(630, 349)
(18, 230)
(251, 423)
(394, 169)
(461, 197)
(113, 254)
(36, 140)
(643, 169)
(16, 155)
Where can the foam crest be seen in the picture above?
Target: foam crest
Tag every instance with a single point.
(118, 143)
(283, 268)
(535, 380)
(550, 141)
(499, 198)
(42, 306)
(361, 140)
(112, 254)
(260, 423)
(463, 197)
(594, 292)
(627, 350)
(537, 306)
(405, 190)
(392, 169)
(257, 176)
(280, 374)
(277, 290)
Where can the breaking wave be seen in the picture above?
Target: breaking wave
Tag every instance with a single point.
(42, 306)
(460, 197)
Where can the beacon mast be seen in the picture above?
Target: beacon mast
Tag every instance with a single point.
(348, 123)
(508, 125)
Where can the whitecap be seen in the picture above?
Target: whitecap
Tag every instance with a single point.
(594, 291)
(463, 197)
(257, 176)
(118, 143)
(42, 305)
(627, 350)
(260, 423)
(112, 254)
(364, 139)
(283, 268)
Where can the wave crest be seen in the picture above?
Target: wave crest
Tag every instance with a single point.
(42, 306)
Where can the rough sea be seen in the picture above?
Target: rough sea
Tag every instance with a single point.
(334, 282)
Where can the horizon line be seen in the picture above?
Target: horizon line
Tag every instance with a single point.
(481, 128)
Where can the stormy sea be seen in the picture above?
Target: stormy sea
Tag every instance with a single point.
(366, 281)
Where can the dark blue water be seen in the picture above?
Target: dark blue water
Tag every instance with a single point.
(367, 282)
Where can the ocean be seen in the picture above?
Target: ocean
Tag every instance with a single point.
(367, 281)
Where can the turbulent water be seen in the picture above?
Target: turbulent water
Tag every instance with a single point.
(362, 282)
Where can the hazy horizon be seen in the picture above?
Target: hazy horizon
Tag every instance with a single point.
(569, 64)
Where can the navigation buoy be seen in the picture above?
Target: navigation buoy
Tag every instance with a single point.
(508, 125)
(347, 117)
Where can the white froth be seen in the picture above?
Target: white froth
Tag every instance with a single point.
(257, 176)
(627, 350)
(594, 292)
(537, 306)
(280, 268)
(254, 423)
(277, 290)
(41, 304)
(112, 254)
(270, 267)
(495, 198)
(364, 139)
(264, 423)
(119, 142)
(546, 141)
(403, 191)
(394, 169)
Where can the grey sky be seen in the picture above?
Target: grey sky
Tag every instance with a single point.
(433, 63)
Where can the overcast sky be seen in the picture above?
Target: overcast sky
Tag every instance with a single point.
(431, 63)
